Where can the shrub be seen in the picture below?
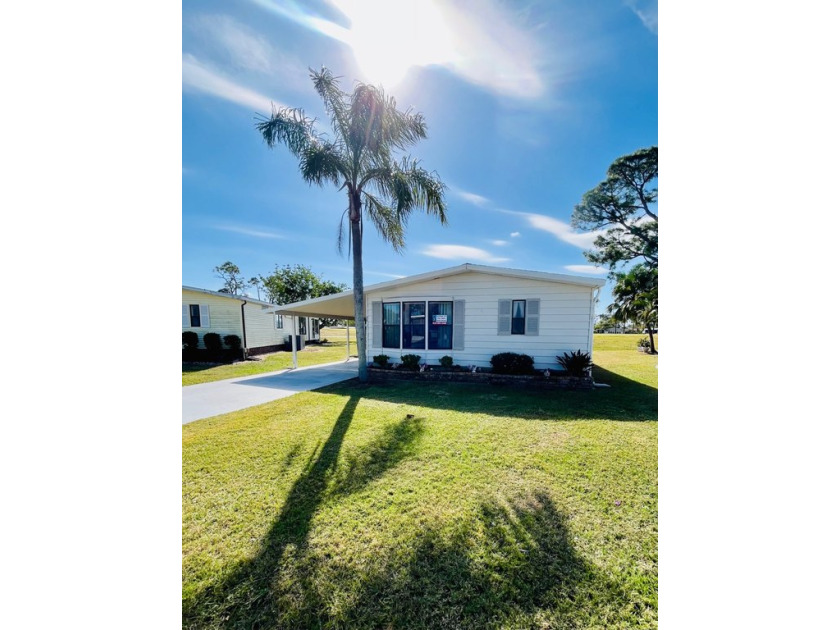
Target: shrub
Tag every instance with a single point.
(576, 364)
(213, 342)
(233, 342)
(644, 342)
(381, 360)
(512, 363)
(411, 361)
(189, 340)
(446, 361)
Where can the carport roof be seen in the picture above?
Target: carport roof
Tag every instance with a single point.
(340, 305)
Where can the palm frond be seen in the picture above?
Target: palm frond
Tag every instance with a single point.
(289, 127)
(321, 163)
(335, 100)
(339, 243)
(415, 188)
(386, 221)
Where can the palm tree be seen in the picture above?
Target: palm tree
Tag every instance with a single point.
(636, 297)
(367, 129)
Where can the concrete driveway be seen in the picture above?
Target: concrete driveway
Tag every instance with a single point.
(211, 399)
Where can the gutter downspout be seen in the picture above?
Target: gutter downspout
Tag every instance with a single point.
(244, 338)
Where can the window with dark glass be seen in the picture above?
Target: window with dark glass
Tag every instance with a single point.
(391, 325)
(440, 325)
(517, 320)
(414, 325)
(195, 316)
(278, 321)
(302, 326)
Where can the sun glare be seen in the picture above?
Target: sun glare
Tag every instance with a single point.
(390, 36)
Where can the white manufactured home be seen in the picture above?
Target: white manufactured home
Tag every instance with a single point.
(260, 329)
(470, 312)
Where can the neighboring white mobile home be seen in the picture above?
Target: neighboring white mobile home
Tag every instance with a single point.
(470, 312)
(261, 331)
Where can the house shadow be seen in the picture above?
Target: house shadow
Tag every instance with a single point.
(624, 400)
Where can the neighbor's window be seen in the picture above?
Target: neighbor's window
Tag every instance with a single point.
(440, 325)
(278, 321)
(302, 326)
(414, 325)
(195, 316)
(517, 320)
(391, 325)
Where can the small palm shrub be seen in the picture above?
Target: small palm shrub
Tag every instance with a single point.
(411, 361)
(512, 363)
(577, 363)
(644, 342)
(381, 360)
(446, 361)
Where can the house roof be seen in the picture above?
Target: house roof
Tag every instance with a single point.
(340, 305)
(238, 298)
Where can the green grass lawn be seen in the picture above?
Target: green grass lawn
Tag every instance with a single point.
(334, 350)
(428, 506)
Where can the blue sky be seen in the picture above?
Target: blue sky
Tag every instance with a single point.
(527, 104)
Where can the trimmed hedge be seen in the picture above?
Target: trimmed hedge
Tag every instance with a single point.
(512, 363)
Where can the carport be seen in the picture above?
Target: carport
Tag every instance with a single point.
(336, 306)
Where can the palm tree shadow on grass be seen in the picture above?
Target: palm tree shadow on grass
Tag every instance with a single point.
(246, 598)
(511, 563)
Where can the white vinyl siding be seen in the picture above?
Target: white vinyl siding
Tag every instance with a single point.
(560, 321)
(223, 315)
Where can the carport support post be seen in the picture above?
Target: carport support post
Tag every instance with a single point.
(347, 327)
(294, 341)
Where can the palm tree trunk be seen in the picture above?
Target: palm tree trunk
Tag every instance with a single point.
(652, 345)
(358, 287)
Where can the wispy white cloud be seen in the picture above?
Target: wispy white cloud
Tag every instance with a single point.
(201, 78)
(591, 269)
(247, 231)
(383, 274)
(499, 243)
(515, 234)
(647, 11)
(461, 252)
(473, 198)
(245, 49)
(562, 230)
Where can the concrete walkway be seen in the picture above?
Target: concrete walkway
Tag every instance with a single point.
(211, 399)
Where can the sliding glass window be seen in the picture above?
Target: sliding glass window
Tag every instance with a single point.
(440, 325)
(391, 325)
(414, 325)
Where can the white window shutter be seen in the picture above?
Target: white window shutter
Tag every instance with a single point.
(185, 315)
(504, 317)
(376, 327)
(532, 317)
(204, 312)
(459, 308)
